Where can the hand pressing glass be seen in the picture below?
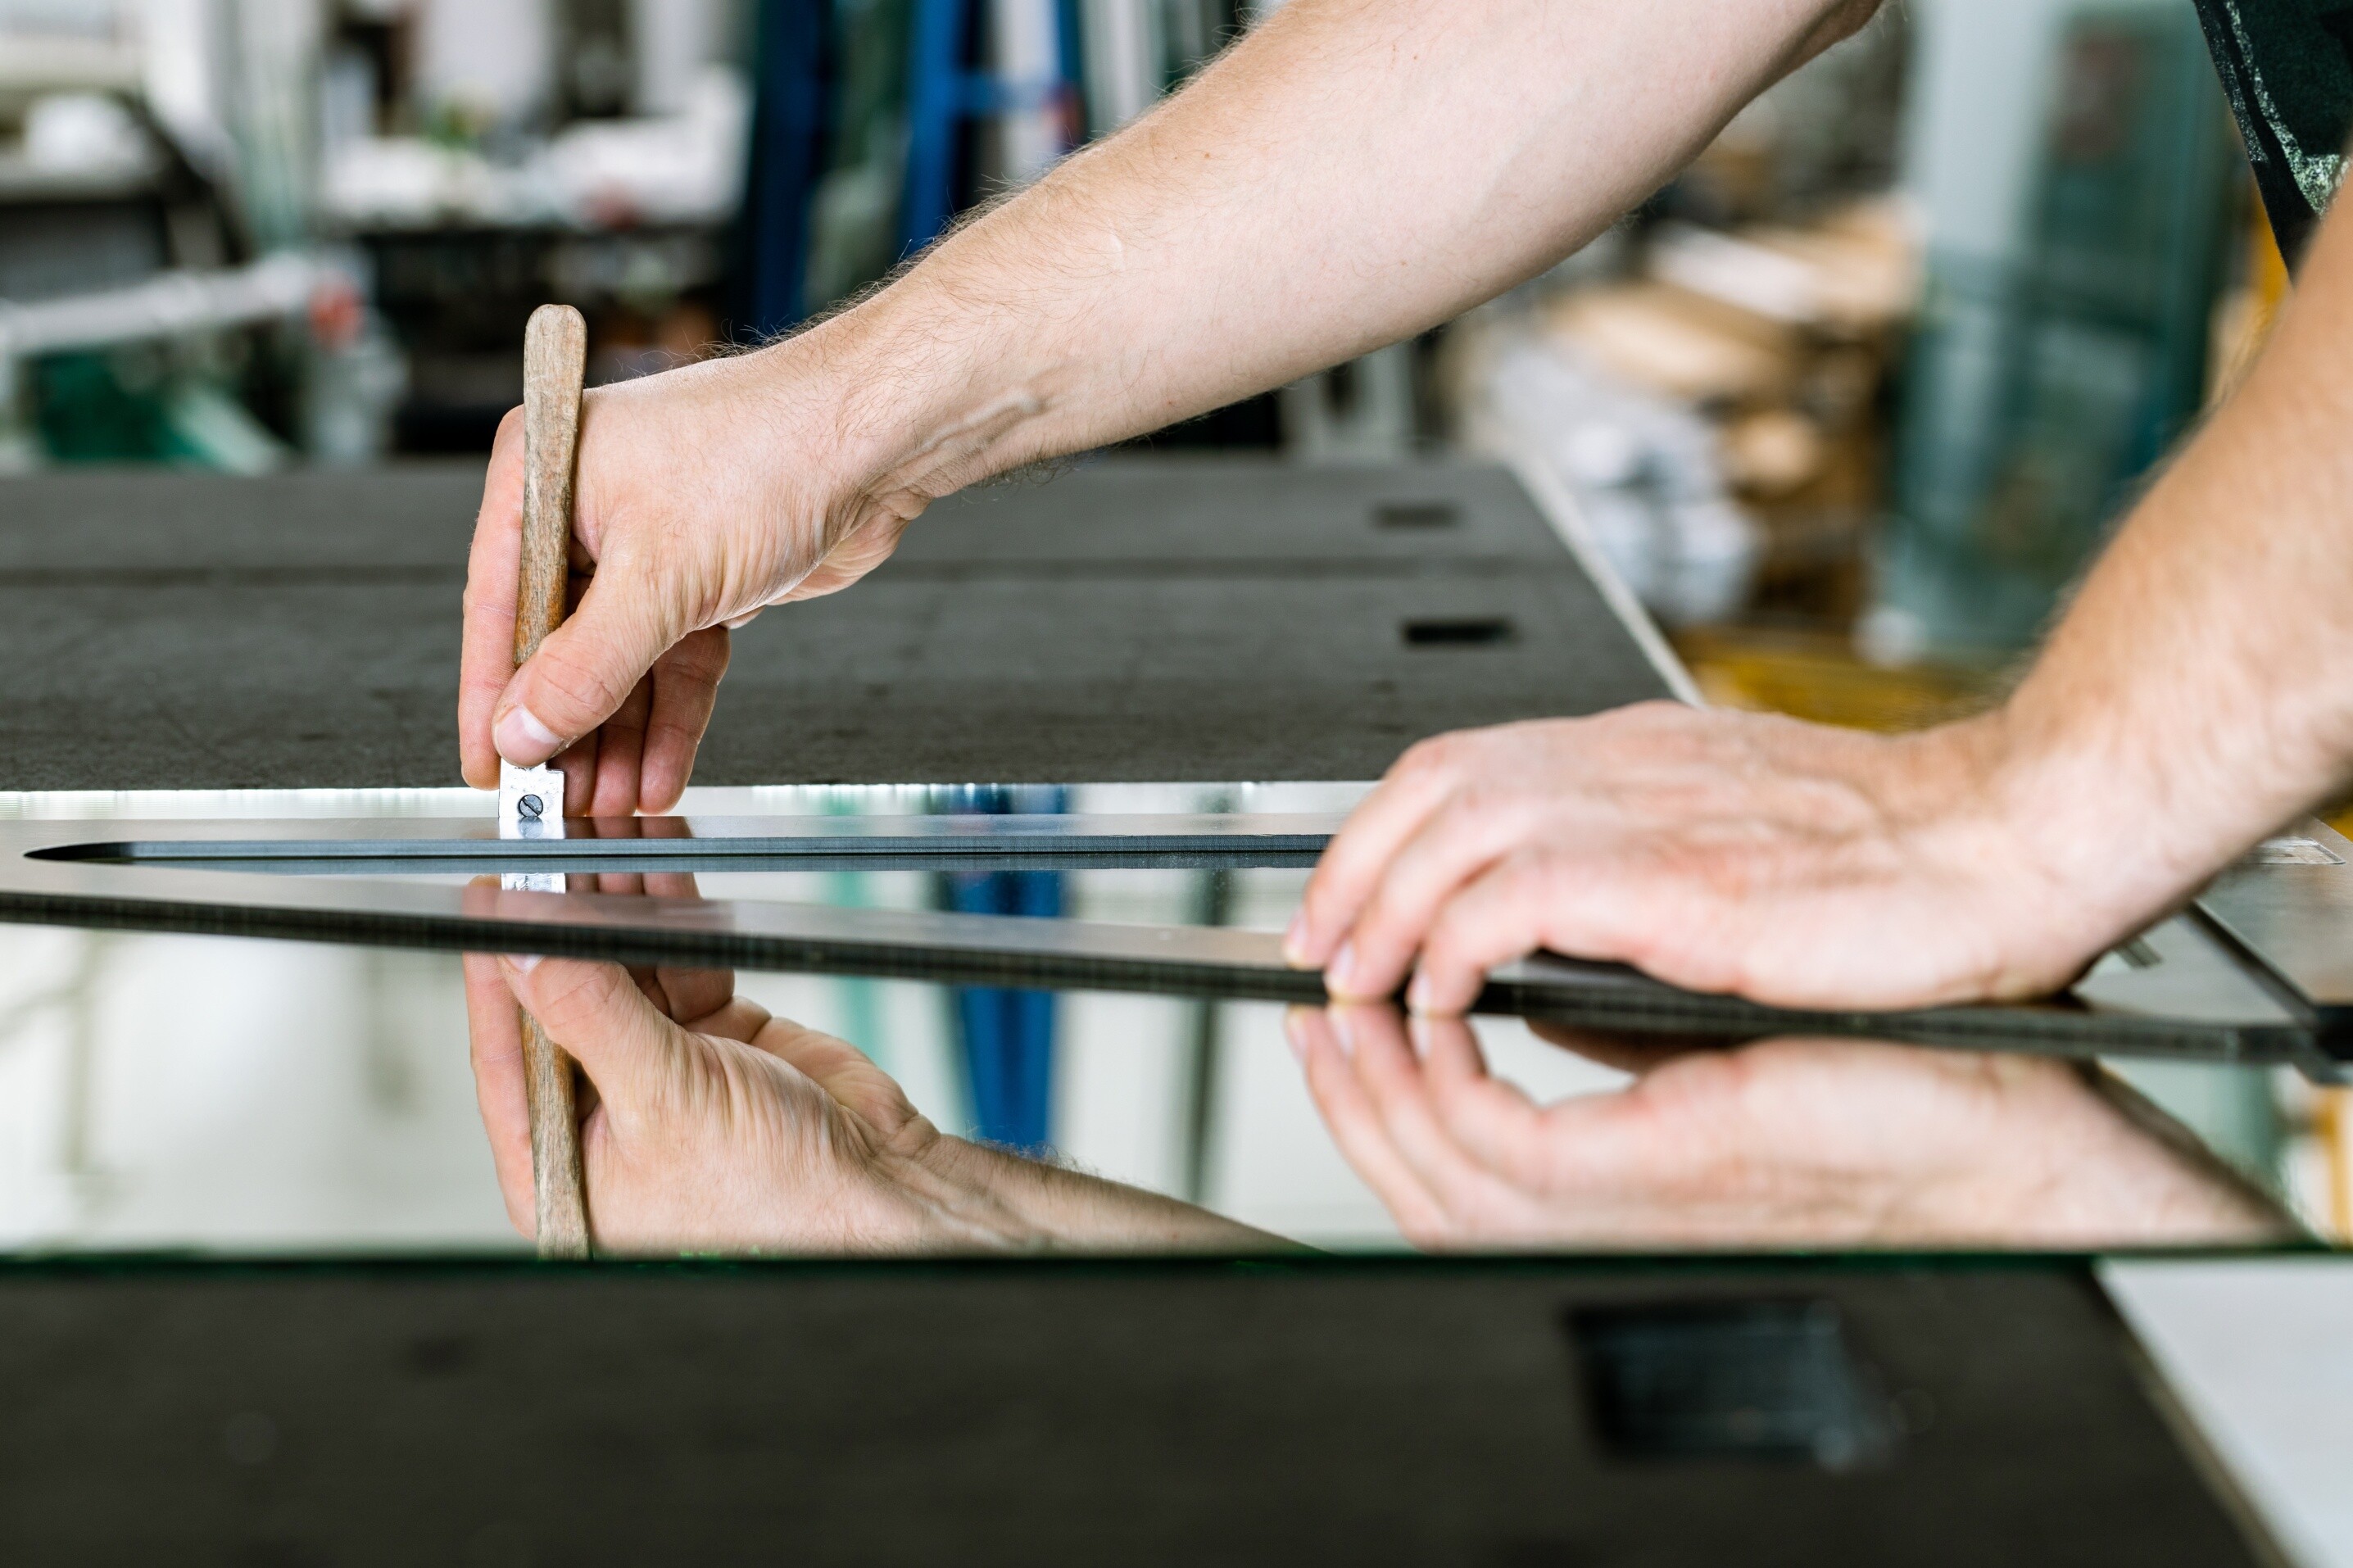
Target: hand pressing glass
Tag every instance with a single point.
(1790, 1143)
(707, 1125)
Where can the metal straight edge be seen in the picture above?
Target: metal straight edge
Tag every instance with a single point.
(709, 840)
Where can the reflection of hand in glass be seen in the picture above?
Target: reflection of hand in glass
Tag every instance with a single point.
(1789, 1142)
(708, 1125)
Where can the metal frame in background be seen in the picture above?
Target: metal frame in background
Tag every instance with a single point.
(2204, 985)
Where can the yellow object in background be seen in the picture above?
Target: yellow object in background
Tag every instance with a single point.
(2332, 1128)
(1817, 675)
(2244, 317)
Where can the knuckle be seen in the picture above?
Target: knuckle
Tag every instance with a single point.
(1438, 754)
(1383, 921)
(1525, 877)
(1486, 805)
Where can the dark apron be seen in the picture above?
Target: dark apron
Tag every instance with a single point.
(2287, 67)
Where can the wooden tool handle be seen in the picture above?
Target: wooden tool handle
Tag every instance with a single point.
(559, 1186)
(554, 363)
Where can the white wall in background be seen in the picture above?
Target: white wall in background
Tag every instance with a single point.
(674, 40)
(1124, 67)
(184, 1092)
(274, 52)
(493, 56)
(1979, 100)
(1025, 43)
(1981, 78)
(183, 58)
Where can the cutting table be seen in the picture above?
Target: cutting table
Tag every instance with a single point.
(1137, 619)
(221, 1339)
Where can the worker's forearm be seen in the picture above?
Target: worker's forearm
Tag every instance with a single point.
(973, 1197)
(1351, 173)
(2199, 689)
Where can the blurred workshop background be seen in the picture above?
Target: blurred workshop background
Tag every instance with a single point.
(1848, 405)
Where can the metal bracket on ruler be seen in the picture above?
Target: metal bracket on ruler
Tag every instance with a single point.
(531, 808)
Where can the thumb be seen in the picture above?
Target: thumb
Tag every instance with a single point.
(595, 1012)
(587, 668)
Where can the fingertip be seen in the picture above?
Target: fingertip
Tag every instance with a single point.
(1356, 980)
(515, 969)
(1439, 991)
(1299, 943)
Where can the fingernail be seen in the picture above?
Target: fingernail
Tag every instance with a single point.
(1341, 975)
(525, 962)
(1417, 995)
(1417, 1033)
(1342, 1036)
(1294, 1030)
(522, 739)
(1294, 942)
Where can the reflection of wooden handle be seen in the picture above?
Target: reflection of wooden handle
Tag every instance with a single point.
(554, 362)
(556, 1174)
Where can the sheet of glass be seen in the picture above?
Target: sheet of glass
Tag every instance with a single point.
(1179, 890)
(258, 1098)
(242, 1098)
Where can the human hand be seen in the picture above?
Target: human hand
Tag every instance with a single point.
(706, 1125)
(1792, 1142)
(701, 495)
(1789, 863)
(737, 1131)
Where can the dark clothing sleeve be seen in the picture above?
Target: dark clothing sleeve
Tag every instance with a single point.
(2287, 69)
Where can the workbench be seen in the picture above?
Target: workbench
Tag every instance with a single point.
(1136, 619)
(312, 1389)
(1369, 1413)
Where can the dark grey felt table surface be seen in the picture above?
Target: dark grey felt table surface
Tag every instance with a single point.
(1373, 1413)
(1170, 619)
